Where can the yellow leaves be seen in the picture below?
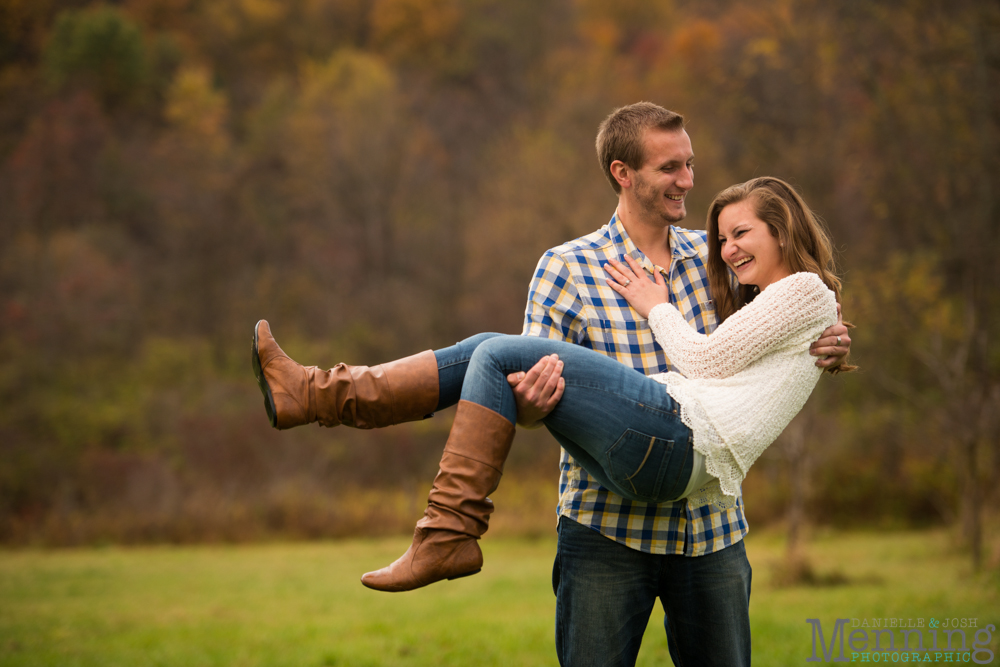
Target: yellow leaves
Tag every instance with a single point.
(196, 109)
(195, 153)
(349, 81)
(422, 31)
(764, 46)
(264, 12)
(346, 105)
(906, 298)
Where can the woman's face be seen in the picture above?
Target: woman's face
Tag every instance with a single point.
(749, 248)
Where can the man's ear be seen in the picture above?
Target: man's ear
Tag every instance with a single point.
(622, 173)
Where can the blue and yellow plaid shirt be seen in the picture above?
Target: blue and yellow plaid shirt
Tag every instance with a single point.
(570, 300)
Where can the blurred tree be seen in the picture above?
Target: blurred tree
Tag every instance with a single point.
(379, 176)
(98, 49)
(933, 120)
(927, 340)
(53, 175)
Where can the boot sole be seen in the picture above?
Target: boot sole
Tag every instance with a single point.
(467, 574)
(405, 590)
(272, 412)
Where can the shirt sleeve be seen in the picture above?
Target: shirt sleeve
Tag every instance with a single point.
(799, 302)
(554, 308)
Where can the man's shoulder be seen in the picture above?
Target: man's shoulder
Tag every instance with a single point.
(589, 243)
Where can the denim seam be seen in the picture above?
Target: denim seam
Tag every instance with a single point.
(664, 462)
(646, 406)
(454, 363)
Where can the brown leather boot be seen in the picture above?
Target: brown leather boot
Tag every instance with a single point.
(445, 542)
(399, 391)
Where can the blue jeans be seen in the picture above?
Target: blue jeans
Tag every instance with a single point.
(624, 429)
(606, 591)
(621, 426)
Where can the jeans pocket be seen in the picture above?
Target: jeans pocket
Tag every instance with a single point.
(638, 463)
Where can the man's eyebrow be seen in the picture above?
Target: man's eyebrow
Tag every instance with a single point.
(670, 162)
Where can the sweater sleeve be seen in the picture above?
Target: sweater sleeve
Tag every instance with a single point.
(784, 309)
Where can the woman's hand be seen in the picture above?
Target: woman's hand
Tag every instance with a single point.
(631, 282)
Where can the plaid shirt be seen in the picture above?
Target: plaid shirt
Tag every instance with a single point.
(570, 300)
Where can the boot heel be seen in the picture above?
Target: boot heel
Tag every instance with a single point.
(467, 574)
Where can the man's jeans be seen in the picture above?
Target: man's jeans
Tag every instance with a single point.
(622, 428)
(620, 425)
(606, 591)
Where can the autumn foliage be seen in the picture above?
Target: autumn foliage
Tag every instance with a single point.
(378, 177)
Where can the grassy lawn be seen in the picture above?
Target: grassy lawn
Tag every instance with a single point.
(302, 604)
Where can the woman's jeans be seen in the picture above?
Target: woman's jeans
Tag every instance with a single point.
(621, 426)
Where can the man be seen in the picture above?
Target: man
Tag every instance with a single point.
(616, 557)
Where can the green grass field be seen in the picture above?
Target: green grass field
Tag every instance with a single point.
(302, 604)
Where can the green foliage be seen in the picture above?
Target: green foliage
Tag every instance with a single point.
(99, 49)
(379, 176)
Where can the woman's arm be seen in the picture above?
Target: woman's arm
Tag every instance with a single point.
(788, 307)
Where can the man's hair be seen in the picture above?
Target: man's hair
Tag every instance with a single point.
(620, 135)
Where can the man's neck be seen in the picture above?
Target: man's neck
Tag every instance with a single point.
(651, 237)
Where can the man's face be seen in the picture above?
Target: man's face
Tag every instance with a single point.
(662, 183)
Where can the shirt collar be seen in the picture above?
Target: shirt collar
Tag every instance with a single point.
(683, 243)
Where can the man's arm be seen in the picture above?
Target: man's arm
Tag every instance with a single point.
(537, 391)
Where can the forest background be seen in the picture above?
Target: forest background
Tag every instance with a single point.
(379, 177)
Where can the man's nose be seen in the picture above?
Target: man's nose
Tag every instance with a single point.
(686, 178)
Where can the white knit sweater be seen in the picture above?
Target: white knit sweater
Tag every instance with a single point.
(743, 384)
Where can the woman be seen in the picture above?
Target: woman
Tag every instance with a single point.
(694, 438)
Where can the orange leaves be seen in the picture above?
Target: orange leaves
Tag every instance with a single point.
(696, 41)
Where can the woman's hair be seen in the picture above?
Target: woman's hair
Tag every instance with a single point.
(805, 243)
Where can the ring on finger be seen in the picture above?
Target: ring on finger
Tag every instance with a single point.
(628, 281)
(838, 341)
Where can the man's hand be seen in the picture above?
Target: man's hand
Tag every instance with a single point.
(537, 391)
(833, 345)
